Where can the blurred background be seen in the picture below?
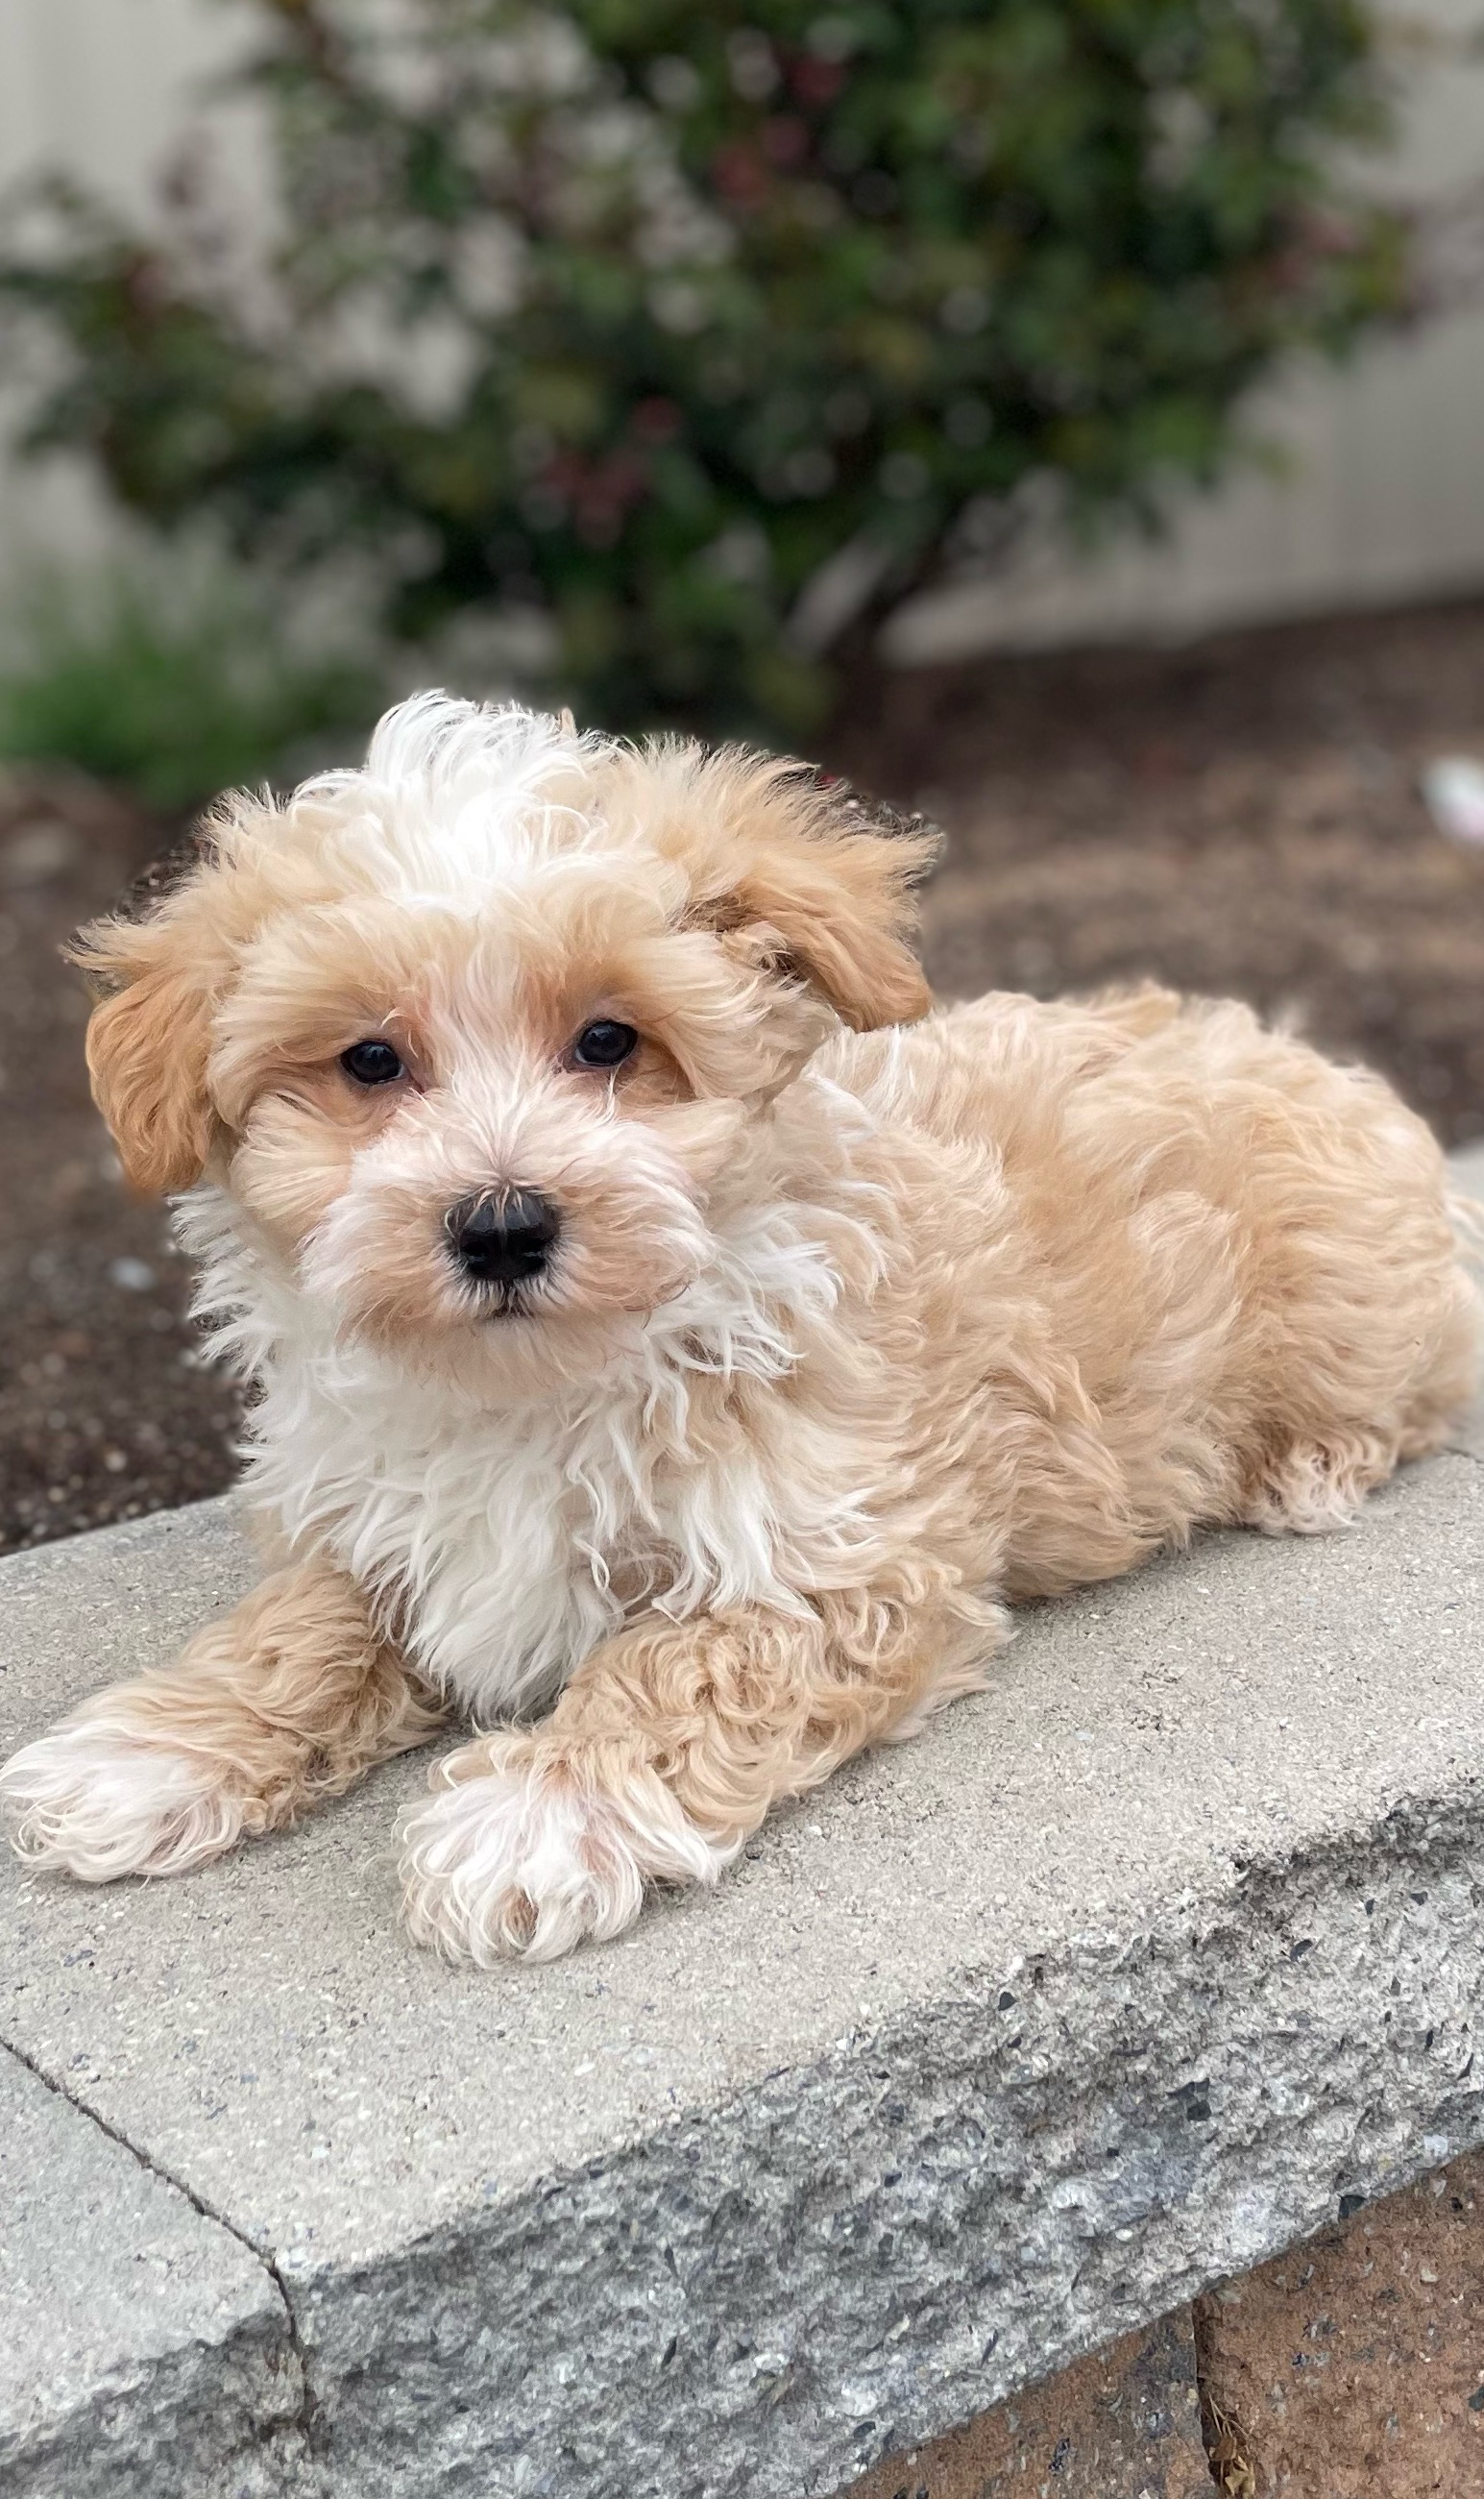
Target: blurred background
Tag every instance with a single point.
(1062, 416)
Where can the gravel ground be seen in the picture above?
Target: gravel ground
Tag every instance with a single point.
(1241, 815)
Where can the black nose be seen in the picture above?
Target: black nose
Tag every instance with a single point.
(503, 1237)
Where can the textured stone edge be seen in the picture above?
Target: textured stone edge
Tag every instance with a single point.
(763, 2301)
(220, 2416)
(206, 2422)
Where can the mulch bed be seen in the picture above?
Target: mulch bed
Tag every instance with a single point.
(1236, 816)
(1239, 817)
(105, 1410)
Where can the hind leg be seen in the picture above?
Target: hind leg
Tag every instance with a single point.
(1316, 1483)
(1311, 1487)
(1451, 1383)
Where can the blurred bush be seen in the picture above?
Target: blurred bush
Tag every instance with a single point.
(684, 339)
(171, 680)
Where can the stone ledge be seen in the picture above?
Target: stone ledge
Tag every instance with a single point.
(1133, 1970)
(144, 2345)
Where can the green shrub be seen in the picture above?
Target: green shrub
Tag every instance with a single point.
(699, 331)
(171, 681)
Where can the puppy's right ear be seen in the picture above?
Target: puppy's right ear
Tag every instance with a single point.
(149, 1040)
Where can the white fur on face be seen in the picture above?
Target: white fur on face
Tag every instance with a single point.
(97, 1800)
(525, 1858)
(632, 1232)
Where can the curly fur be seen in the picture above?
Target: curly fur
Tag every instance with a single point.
(864, 1321)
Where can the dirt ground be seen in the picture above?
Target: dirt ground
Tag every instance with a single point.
(1236, 816)
(1242, 816)
(105, 1411)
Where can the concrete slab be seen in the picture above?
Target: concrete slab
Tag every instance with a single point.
(1144, 1964)
(141, 2346)
(1114, 1984)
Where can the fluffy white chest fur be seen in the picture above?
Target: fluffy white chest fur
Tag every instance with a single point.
(507, 1542)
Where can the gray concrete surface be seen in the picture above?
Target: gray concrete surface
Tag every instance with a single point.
(1128, 1973)
(141, 2346)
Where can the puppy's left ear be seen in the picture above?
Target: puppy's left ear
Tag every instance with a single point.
(837, 879)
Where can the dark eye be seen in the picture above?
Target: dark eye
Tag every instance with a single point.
(604, 1045)
(371, 1062)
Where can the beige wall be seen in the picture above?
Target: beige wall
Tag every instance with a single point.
(1383, 495)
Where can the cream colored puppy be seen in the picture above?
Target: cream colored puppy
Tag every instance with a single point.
(669, 1351)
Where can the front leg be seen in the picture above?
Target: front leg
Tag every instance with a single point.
(665, 1750)
(288, 1700)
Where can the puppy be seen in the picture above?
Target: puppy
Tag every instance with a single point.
(672, 1345)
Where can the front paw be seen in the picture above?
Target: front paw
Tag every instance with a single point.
(97, 1800)
(526, 1847)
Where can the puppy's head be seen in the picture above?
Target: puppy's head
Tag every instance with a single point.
(473, 1036)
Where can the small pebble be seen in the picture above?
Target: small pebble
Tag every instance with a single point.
(133, 1274)
(1453, 786)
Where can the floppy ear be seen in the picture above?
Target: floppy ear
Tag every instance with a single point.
(148, 1046)
(837, 882)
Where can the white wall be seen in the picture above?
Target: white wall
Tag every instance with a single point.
(1383, 495)
(100, 89)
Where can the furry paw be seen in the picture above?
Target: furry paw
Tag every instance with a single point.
(525, 1850)
(96, 1800)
